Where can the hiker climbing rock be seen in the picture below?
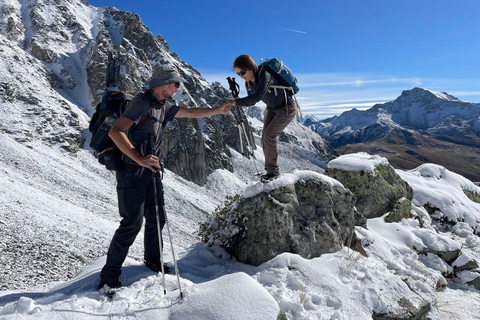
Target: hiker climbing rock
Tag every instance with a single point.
(139, 186)
(270, 85)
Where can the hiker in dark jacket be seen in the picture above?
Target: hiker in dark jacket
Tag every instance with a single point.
(281, 108)
(145, 117)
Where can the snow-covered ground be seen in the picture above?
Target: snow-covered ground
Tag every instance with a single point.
(69, 202)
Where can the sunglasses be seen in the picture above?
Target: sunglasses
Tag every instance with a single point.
(242, 73)
(177, 85)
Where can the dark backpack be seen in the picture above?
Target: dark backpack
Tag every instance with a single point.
(106, 114)
(281, 73)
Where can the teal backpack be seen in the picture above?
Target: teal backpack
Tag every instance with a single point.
(284, 77)
(281, 73)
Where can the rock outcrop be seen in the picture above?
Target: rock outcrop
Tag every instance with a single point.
(378, 191)
(307, 213)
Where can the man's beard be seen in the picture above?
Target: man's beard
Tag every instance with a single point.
(167, 95)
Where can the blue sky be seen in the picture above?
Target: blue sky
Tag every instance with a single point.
(345, 54)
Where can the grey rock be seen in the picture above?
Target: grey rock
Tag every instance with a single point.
(448, 256)
(377, 193)
(282, 315)
(475, 282)
(407, 311)
(464, 262)
(401, 210)
(309, 218)
(187, 153)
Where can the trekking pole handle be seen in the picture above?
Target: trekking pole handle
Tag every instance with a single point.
(234, 86)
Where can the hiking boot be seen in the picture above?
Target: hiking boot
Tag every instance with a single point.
(156, 266)
(269, 176)
(110, 284)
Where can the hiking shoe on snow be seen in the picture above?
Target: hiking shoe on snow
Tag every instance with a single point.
(110, 284)
(269, 176)
(109, 288)
(156, 266)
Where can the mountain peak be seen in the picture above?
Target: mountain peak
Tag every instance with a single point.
(309, 119)
(417, 92)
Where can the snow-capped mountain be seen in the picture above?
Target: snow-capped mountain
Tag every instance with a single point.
(308, 119)
(426, 111)
(419, 126)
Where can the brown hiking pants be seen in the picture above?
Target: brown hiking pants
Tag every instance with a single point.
(275, 123)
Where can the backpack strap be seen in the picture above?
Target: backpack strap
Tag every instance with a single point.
(299, 111)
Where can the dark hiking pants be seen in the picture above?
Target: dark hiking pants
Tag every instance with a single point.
(275, 122)
(136, 199)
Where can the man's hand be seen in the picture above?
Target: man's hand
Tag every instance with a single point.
(225, 108)
(150, 161)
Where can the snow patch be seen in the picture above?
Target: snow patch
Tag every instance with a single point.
(285, 179)
(356, 162)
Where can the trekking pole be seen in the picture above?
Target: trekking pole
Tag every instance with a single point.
(157, 215)
(235, 87)
(242, 152)
(155, 189)
(171, 245)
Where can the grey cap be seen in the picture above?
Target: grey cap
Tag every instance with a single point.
(161, 77)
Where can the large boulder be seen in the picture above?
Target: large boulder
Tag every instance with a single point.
(376, 185)
(304, 213)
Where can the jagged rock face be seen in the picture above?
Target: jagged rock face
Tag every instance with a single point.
(115, 52)
(32, 111)
(11, 22)
(231, 132)
(377, 192)
(309, 218)
(186, 152)
(123, 54)
(318, 148)
(181, 140)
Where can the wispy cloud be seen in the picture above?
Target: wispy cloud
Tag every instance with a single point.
(328, 94)
(292, 30)
(351, 80)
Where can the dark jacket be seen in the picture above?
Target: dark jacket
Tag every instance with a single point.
(261, 90)
(150, 117)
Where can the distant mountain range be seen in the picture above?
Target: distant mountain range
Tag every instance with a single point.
(419, 126)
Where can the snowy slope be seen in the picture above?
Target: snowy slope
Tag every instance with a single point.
(343, 285)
